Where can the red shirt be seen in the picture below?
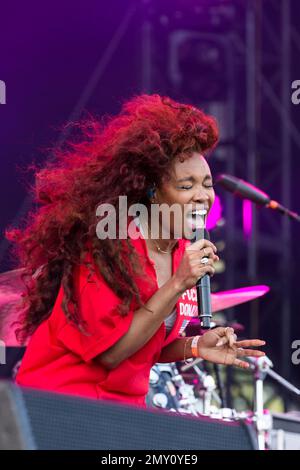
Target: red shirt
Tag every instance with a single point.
(60, 358)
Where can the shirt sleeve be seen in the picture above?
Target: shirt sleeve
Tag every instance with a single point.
(104, 325)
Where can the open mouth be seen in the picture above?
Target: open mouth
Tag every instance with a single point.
(196, 218)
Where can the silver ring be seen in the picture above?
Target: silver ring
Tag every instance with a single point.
(204, 260)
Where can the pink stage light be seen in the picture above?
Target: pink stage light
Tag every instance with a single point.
(215, 214)
(247, 218)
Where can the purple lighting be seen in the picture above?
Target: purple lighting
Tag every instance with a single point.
(215, 214)
(247, 218)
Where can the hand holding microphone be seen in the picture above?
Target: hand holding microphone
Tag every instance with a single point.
(192, 268)
(203, 290)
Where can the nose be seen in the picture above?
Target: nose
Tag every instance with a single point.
(201, 197)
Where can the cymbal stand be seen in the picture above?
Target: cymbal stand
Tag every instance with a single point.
(262, 367)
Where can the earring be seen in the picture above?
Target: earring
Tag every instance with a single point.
(151, 192)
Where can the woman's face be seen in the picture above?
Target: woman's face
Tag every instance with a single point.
(190, 187)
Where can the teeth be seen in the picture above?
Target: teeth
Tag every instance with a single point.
(199, 212)
(196, 218)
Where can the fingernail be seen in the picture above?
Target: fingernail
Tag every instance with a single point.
(219, 343)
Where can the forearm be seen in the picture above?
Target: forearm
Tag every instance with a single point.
(178, 350)
(145, 323)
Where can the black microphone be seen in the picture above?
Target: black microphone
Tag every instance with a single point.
(246, 190)
(203, 290)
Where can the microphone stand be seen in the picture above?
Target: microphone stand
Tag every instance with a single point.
(246, 190)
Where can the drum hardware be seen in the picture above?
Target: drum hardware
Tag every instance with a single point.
(220, 386)
(187, 402)
(208, 382)
(170, 391)
(208, 388)
(190, 363)
(164, 393)
(261, 367)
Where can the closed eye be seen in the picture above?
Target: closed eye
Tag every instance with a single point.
(210, 186)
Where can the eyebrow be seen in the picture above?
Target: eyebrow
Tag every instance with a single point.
(191, 178)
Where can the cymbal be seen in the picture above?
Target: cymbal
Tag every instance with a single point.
(12, 279)
(11, 288)
(231, 298)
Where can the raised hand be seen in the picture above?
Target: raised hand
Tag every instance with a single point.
(220, 346)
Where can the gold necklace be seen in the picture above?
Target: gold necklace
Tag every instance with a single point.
(159, 249)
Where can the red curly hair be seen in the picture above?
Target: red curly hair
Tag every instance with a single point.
(129, 154)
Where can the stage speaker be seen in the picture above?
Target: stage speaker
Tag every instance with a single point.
(32, 419)
(286, 431)
(13, 357)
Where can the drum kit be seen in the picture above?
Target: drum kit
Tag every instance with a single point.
(192, 387)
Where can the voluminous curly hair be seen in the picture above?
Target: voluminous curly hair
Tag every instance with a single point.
(125, 156)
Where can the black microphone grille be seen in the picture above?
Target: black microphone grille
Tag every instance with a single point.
(228, 182)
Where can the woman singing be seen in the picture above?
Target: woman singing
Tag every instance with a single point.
(100, 311)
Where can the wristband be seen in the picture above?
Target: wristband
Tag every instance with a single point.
(194, 346)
